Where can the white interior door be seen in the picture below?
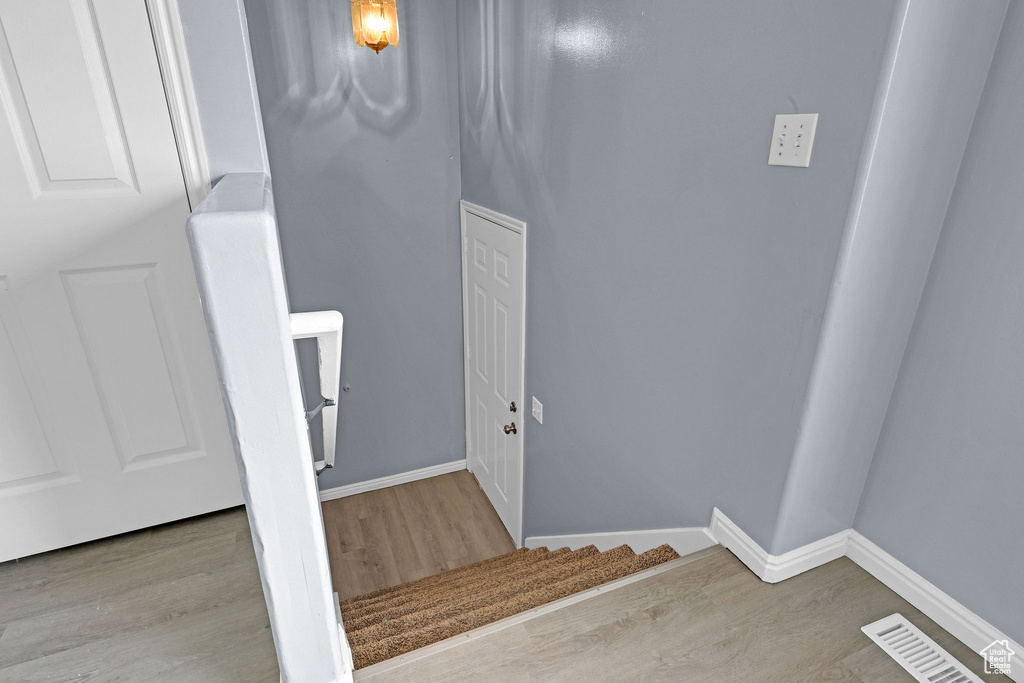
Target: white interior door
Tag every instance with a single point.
(110, 411)
(494, 277)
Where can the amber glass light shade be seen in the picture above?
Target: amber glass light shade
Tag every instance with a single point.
(375, 23)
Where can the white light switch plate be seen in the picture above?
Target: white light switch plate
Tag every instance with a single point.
(538, 410)
(792, 140)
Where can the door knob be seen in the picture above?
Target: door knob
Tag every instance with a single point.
(511, 429)
(512, 407)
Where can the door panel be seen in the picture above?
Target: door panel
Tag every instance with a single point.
(27, 454)
(494, 283)
(129, 344)
(110, 409)
(71, 57)
(85, 128)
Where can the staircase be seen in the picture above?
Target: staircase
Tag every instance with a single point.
(392, 621)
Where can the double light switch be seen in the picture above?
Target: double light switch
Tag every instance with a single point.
(792, 140)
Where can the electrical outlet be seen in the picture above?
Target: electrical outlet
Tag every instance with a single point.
(538, 410)
(792, 140)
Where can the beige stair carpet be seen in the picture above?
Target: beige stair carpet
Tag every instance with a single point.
(392, 621)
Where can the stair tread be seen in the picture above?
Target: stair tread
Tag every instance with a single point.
(366, 598)
(392, 622)
(416, 590)
(473, 595)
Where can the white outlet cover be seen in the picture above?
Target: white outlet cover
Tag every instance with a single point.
(538, 410)
(792, 140)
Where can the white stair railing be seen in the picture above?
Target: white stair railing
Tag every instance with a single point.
(326, 327)
(237, 255)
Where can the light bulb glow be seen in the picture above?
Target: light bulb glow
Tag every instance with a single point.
(375, 23)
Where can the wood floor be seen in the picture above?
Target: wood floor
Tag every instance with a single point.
(179, 602)
(403, 533)
(183, 602)
(710, 621)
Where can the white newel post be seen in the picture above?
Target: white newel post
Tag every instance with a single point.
(237, 257)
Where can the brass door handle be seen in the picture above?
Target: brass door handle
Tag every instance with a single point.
(511, 429)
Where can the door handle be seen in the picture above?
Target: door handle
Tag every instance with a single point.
(511, 429)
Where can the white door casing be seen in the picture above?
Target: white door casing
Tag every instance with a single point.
(494, 325)
(110, 411)
(182, 105)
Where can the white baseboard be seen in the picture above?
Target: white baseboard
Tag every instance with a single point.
(683, 541)
(393, 480)
(963, 624)
(775, 568)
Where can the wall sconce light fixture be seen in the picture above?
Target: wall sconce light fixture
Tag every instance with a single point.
(375, 23)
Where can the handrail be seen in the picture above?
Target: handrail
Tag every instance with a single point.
(326, 327)
(237, 255)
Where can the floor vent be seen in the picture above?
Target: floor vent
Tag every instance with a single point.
(917, 653)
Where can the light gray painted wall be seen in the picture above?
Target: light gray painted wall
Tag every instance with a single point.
(944, 491)
(218, 53)
(927, 92)
(364, 150)
(676, 283)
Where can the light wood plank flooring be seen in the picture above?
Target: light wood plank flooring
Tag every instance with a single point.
(178, 602)
(183, 602)
(709, 621)
(403, 533)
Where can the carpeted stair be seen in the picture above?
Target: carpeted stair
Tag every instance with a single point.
(392, 621)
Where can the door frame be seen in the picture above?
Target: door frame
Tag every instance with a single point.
(518, 227)
(179, 91)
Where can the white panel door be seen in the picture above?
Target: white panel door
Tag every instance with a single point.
(493, 301)
(110, 411)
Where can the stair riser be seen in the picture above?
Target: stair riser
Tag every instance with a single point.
(416, 591)
(367, 599)
(389, 632)
(476, 595)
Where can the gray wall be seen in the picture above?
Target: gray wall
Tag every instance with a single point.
(944, 491)
(364, 151)
(926, 92)
(676, 282)
(218, 53)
